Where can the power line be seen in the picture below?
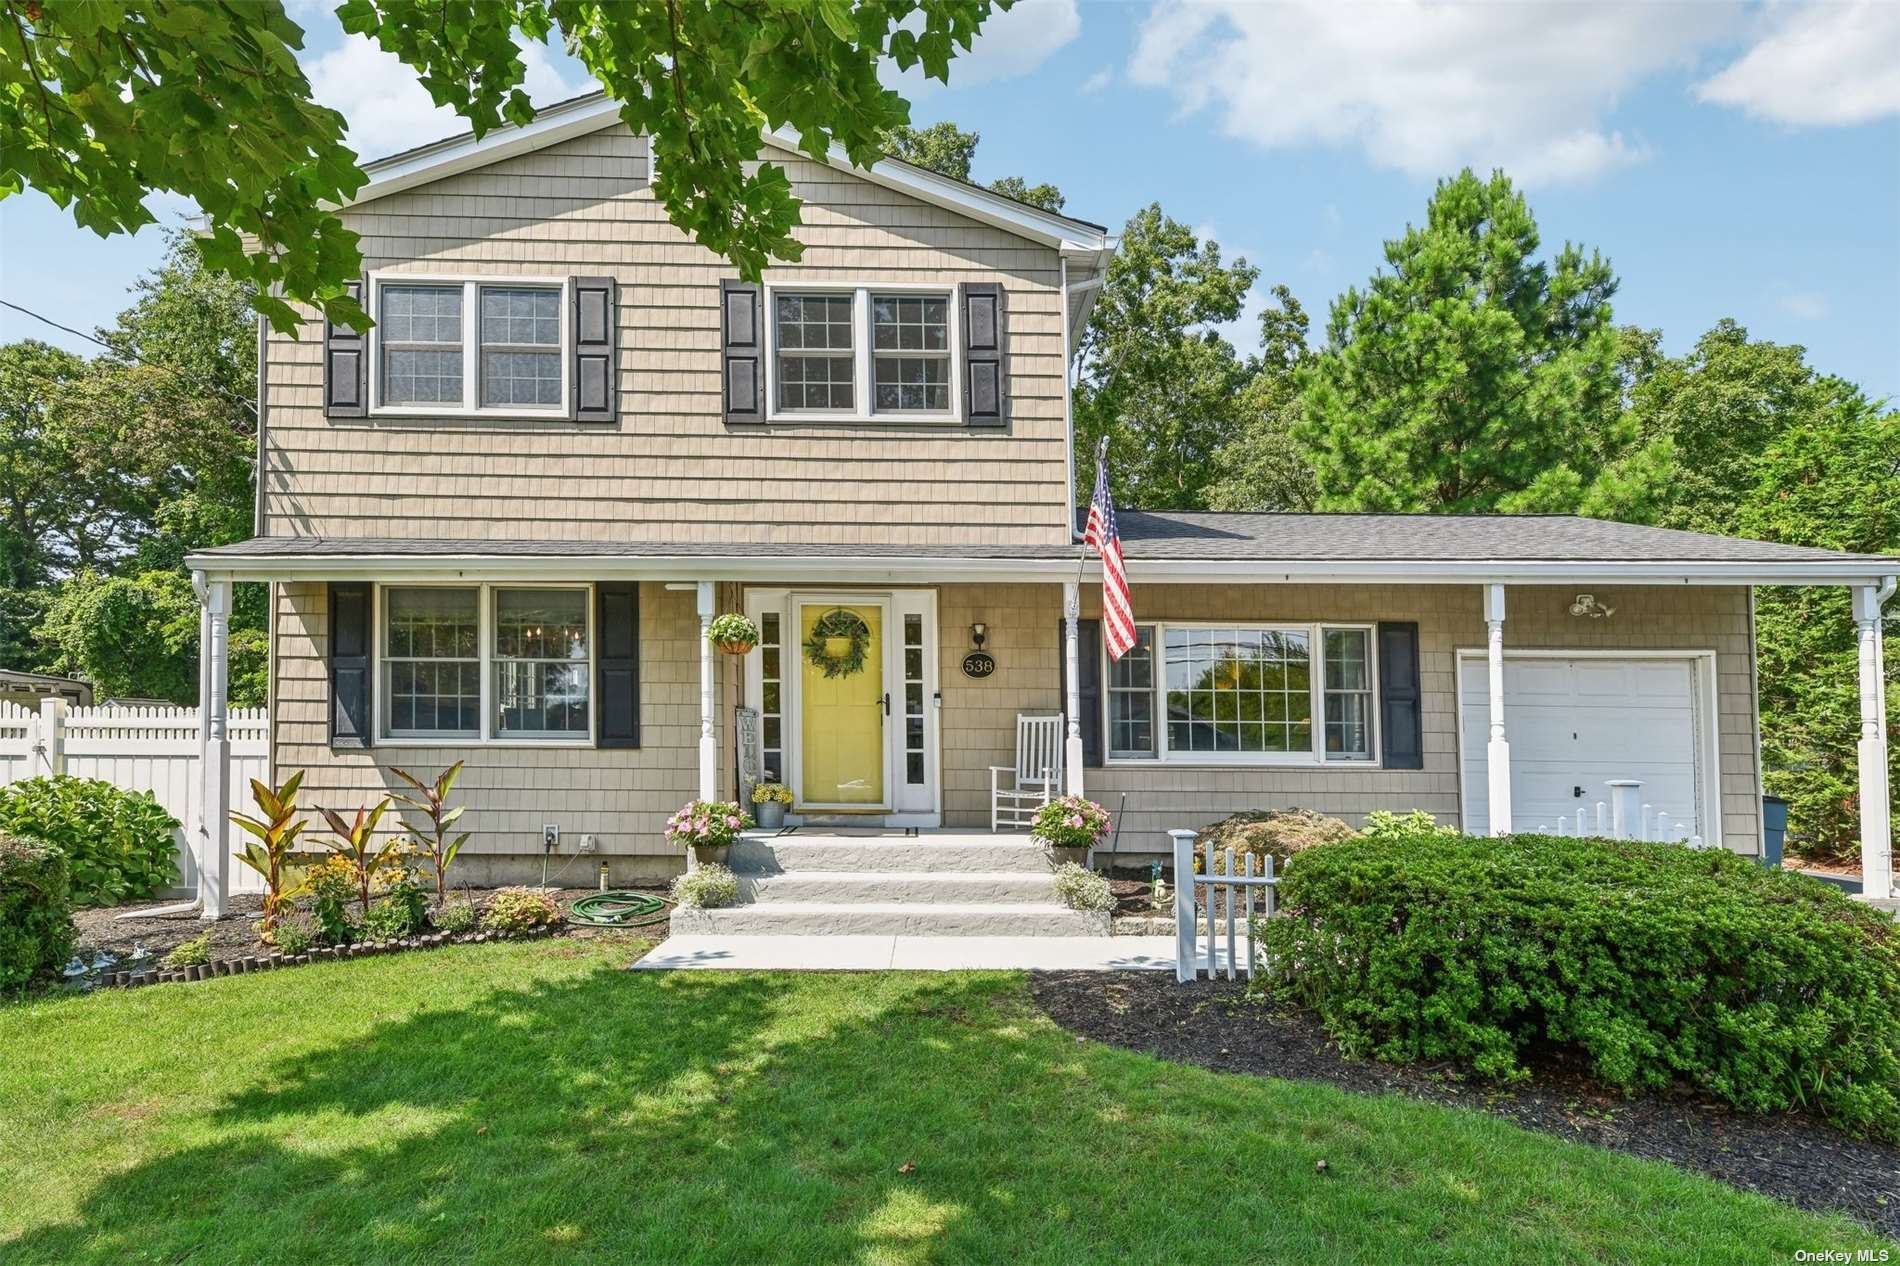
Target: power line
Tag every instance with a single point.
(133, 356)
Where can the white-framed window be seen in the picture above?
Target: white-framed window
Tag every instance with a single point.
(485, 663)
(470, 346)
(862, 353)
(1243, 694)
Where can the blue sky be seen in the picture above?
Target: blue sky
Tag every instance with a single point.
(1731, 159)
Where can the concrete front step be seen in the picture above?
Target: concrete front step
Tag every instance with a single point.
(935, 854)
(898, 887)
(889, 919)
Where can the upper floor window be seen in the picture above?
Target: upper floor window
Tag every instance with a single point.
(860, 353)
(470, 347)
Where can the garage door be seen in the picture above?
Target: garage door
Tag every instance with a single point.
(1575, 724)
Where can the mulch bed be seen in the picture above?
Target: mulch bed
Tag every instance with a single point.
(232, 936)
(1215, 1024)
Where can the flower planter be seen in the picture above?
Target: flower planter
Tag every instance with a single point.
(770, 813)
(734, 648)
(1059, 853)
(704, 853)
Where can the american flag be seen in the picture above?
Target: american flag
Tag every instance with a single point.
(1101, 535)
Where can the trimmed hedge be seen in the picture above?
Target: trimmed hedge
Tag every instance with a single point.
(36, 913)
(1657, 964)
(121, 844)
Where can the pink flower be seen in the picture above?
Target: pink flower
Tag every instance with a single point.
(700, 825)
(1075, 820)
(732, 821)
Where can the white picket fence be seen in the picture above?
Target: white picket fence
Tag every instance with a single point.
(140, 749)
(1194, 894)
(1625, 817)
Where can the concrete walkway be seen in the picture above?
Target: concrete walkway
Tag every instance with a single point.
(910, 953)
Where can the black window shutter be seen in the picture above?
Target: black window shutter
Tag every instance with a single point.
(346, 364)
(985, 319)
(617, 625)
(1088, 653)
(1400, 723)
(351, 664)
(743, 379)
(596, 333)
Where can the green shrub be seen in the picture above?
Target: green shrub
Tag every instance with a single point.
(294, 934)
(1082, 889)
(331, 884)
(36, 912)
(1656, 963)
(519, 909)
(709, 887)
(454, 917)
(193, 953)
(120, 843)
(1418, 824)
(390, 920)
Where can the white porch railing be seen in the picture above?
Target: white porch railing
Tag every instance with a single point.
(139, 749)
(1625, 816)
(1218, 879)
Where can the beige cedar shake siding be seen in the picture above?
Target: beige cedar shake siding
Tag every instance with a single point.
(621, 796)
(1450, 618)
(670, 467)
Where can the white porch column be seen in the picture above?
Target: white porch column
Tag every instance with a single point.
(1876, 806)
(1072, 704)
(708, 692)
(214, 655)
(1497, 752)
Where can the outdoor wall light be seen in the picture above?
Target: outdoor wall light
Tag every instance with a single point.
(978, 632)
(1587, 605)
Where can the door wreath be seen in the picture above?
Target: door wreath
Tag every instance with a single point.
(838, 623)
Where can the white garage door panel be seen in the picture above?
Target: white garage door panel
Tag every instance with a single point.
(1579, 723)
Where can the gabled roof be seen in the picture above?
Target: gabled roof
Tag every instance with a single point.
(580, 116)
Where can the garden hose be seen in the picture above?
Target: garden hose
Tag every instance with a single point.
(618, 909)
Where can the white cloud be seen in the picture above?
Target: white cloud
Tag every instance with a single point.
(1804, 305)
(389, 110)
(1098, 81)
(1421, 86)
(1012, 43)
(1818, 65)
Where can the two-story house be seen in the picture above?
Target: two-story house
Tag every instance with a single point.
(496, 526)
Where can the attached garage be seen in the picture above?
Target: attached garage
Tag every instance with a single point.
(1575, 721)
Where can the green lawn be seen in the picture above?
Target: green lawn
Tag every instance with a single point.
(533, 1102)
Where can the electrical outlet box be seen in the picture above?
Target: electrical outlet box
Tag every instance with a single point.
(588, 844)
(550, 837)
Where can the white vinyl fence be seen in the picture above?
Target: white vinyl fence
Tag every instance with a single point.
(139, 749)
(1625, 817)
(1204, 892)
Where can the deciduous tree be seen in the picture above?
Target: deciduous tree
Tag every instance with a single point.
(95, 98)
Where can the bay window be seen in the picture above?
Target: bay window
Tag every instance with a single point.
(1248, 694)
(468, 663)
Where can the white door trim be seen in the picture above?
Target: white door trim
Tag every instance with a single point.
(1708, 758)
(923, 811)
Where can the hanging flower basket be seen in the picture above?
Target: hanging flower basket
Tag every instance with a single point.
(733, 634)
(838, 641)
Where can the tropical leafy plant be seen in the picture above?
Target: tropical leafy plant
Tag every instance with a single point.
(358, 846)
(276, 828)
(430, 800)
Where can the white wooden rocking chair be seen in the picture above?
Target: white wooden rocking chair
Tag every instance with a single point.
(1036, 778)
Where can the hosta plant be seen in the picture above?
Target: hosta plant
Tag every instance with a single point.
(276, 828)
(119, 845)
(356, 844)
(430, 800)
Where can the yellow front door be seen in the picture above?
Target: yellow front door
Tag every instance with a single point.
(841, 653)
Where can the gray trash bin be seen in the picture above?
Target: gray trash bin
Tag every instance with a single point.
(1774, 828)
